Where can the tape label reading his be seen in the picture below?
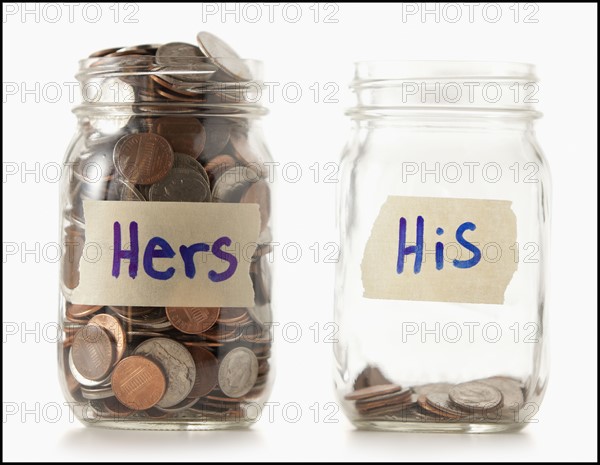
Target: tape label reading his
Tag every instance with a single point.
(441, 250)
(168, 254)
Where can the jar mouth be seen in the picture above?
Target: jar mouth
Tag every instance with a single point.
(390, 70)
(385, 87)
(144, 83)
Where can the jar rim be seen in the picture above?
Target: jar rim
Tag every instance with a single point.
(378, 70)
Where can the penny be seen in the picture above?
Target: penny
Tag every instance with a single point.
(245, 151)
(370, 376)
(82, 379)
(259, 193)
(80, 311)
(373, 391)
(219, 165)
(185, 134)
(181, 185)
(475, 396)
(93, 352)
(112, 325)
(138, 382)
(441, 402)
(114, 408)
(143, 158)
(238, 372)
(223, 56)
(177, 364)
(193, 320)
(207, 371)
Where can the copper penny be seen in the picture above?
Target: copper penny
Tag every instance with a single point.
(112, 325)
(143, 158)
(93, 352)
(185, 134)
(207, 371)
(75, 311)
(373, 391)
(193, 320)
(259, 193)
(138, 382)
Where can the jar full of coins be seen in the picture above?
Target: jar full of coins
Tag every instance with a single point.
(166, 225)
(443, 215)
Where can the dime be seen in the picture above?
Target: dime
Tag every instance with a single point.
(193, 320)
(143, 158)
(181, 185)
(93, 352)
(138, 382)
(476, 396)
(97, 393)
(112, 325)
(207, 371)
(178, 366)
(224, 56)
(185, 134)
(238, 372)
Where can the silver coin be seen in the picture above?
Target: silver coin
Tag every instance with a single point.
(261, 314)
(224, 56)
(119, 189)
(187, 61)
(82, 379)
(177, 363)
(181, 185)
(475, 396)
(441, 401)
(97, 393)
(231, 185)
(433, 387)
(512, 392)
(238, 372)
(183, 160)
(183, 405)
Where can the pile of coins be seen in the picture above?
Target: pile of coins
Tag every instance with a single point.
(489, 400)
(166, 139)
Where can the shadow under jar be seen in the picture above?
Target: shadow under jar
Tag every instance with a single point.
(444, 217)
(165, 283)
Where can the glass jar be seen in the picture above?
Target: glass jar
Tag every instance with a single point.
(165, 280)
(443, 215)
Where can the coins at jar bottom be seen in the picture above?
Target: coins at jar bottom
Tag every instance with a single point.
(479, 401)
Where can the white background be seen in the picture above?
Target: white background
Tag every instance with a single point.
(37, 128)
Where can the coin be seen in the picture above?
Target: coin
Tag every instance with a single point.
(433, 387)
(373, 391)
(217, 136)
(181, 185)
(476, 396)
(441, 402)
(238, 372)
(115, 409)
(512, 391)
(230, 186)
(138, 382)
(261, 314)
(185, 161)
(207, 371)
(112, 325)
(219, 165)
(178, 366)
(93, 352)
(186, 61)
(193, 320)
(97, 393)
(185, 134)
(370, 376)
(80, 311)
(143, 158)
(120, 189)
(224, 56)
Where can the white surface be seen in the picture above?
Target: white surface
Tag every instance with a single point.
(563, 45)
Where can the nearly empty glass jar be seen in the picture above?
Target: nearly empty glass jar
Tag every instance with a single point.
(166, 223)
(444, 217)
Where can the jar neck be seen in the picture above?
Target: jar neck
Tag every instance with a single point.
(453, 91)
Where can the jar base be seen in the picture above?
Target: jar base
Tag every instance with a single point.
(169, 425)
(421, 427)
